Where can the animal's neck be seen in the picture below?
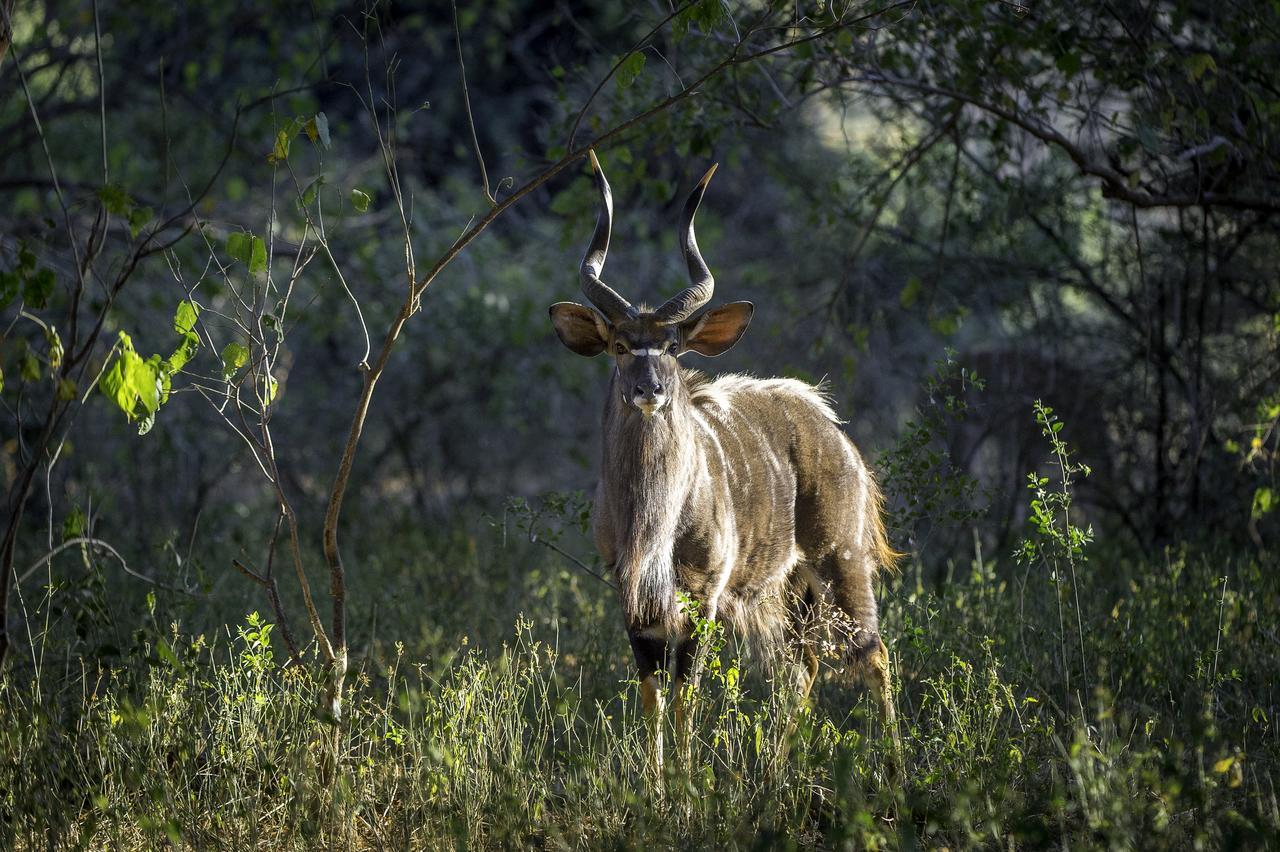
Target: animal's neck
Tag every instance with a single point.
(649, 465)
(649, 450)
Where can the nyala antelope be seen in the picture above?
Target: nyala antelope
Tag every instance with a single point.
(742, 493)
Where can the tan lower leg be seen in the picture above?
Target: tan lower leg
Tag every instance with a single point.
(877, 677)
(810, 673)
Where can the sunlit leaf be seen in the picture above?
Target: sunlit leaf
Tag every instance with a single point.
(234, 356)
(184, 319)
(257, 256)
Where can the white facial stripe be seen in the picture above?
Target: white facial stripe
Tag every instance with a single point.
(641, 352)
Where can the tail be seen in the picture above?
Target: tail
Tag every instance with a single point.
(886, 557)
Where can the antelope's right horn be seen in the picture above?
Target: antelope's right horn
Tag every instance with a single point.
(613, 306)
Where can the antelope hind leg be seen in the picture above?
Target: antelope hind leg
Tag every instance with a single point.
(874, 672)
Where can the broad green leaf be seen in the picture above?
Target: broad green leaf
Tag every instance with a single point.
(284, 138)
(115, 199)
(184, 319)
(37, 289)
(9, 286)
(257, 256)
(317, 128)
(267, 389)
(629, 70)
(166, 654)
(113, 386)
(360, 200)
(143, 378)
(1263, 502)
(73, 524)
(138, 217)
(184, 353)
(310, 192)
(234, 356)
(66, 390)
(239, 246)
(30, 367)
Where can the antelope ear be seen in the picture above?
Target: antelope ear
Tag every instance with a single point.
(716, 331)
(581, 329)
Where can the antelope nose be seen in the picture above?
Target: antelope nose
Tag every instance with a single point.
(648, 389)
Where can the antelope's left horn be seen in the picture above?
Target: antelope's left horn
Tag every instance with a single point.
(682, 305)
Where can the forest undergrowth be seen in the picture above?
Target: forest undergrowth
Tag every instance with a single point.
(469, 725)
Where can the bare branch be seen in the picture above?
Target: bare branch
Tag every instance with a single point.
(466, 103)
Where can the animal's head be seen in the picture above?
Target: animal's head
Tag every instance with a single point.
(645, 344)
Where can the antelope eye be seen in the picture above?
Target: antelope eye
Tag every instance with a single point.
(620, 349)
(674, 348)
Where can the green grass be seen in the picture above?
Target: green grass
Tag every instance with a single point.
(468, 725)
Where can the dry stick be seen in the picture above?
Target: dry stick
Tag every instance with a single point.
(466, 102)
(332, 553)
(101, 545)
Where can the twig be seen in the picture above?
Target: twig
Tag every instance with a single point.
(533, 537)
(102, 545)
(466, 103)
(573, 131)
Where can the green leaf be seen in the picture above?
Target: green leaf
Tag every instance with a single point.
(629, 70)
(113, 388)
(317, 129)
(284, 138)
(312, 190)
(138, 217)
(184, 320)
(66, 390)
(166, 654)
(37, 289)
(239, 246)
(257, 256)
(234, 356)
(1198, 64)
(143, 378)
(73, 524)
(360, 200)
(10, 283)
(184, 353)
(115, 199)
(268, 388)
(30, 367)
(1263, 502)
(910, 292)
